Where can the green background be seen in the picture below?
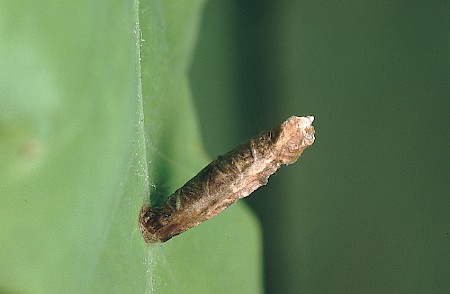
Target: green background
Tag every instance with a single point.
(97, 118)
(367, 207)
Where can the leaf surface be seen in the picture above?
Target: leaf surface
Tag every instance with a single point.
(95, 116)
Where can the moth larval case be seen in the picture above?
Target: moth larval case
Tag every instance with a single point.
(228, 178)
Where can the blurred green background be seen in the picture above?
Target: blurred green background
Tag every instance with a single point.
(367, 208)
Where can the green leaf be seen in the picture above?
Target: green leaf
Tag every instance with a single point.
(95, 119)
